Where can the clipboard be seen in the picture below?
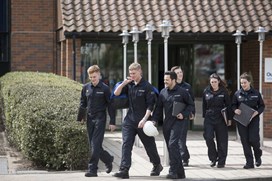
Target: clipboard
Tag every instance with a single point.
(224, 114)
(246, 114)
(178, 107)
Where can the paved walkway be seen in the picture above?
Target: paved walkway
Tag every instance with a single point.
(198, 169)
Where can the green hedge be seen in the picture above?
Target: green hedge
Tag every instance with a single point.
(40, 119)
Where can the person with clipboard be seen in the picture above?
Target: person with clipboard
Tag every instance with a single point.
(244, 100)
(177, 105)
(215, 100)
(182, 142)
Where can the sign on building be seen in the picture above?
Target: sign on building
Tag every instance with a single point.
(268, 70)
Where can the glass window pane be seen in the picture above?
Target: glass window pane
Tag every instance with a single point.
(3, 16)
(209, 58)
(3, 48)
(107, 56)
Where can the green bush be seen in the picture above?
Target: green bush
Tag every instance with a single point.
(40, 112)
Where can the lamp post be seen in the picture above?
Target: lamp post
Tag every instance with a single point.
(165, 27)
(125, 36)
(135, 38)
(261, 37)
(238, 40)
(149, 36)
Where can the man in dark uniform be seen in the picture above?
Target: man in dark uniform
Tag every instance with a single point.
(182, 143)
(172, 125)
(95, 98)
(141, 103)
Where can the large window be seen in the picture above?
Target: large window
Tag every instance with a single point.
(109, 57)
(3, 30)
(209, 58)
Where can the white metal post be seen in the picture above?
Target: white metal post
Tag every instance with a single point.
(149, 36)
(135, 52)
(261, 37)
(125, 37)
(261, 92)
(165, 53)
(165, 26)
(149, 62)
(135, 39)
(238, 40)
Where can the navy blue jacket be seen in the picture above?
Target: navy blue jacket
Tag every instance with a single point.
(141, 98)
(214, 102)
(252, 98)
(166, 100)
(96, 99)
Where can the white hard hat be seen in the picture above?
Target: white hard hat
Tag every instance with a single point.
(149, 129)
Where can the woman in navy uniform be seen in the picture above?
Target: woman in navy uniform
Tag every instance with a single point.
(216, 98)
(95, 99)
(250, 137)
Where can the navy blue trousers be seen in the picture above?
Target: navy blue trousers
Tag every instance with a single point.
(129, 131)
(219, 131)
(250, 138)
(96, 130)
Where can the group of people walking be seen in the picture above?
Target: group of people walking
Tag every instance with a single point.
(145, 105)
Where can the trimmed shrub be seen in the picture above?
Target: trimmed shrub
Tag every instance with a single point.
(40, 119)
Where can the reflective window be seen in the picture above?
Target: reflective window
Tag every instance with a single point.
(208, 58)
(3, 30)
(109, 57)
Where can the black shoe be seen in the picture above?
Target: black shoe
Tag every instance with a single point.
(213, 163)
(220, 165)
(175, 176)
(248, 166)
(185, 163)
(258, 162)
(123, 173)
(109, 165)
(156, 170)
(172, 176)
(90, 174)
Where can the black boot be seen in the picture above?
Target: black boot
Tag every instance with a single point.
(156, 170)
(258, 162)
(123, 173)
(185, 163)
(109, 165)
(90, 174)
(213, 163)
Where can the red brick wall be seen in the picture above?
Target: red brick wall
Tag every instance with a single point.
(33, 40)
(267, 92)
(250, 63)
(66, 62)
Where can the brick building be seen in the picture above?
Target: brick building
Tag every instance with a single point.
(67, 36)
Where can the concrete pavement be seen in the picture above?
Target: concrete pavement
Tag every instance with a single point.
(198, 169)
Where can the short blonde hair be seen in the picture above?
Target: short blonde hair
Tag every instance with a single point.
(135, 66)
(92, 69)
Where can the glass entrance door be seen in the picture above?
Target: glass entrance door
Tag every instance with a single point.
(182, 55)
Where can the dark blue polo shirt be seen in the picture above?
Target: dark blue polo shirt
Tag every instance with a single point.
(96, 99)
(141, 98)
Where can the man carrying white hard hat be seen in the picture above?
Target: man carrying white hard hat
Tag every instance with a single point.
(149, 129)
